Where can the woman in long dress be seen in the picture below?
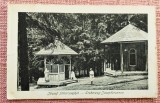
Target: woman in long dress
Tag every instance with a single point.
(91, 74)
(46, 75)
(73, 75)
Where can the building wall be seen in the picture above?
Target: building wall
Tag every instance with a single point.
(113, 56)
(140, 56)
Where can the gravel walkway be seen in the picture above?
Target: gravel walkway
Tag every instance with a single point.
(138, 82)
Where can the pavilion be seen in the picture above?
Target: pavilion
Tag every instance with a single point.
(126, 50)
(57, 61)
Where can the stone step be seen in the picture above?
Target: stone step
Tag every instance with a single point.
(42, 82)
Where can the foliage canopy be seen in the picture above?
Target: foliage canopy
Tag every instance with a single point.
(81, 32)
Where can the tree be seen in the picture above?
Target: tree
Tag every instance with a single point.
(82, 32)
(23, 51)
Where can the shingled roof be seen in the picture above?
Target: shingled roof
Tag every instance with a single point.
(58, 49)
(128, 33)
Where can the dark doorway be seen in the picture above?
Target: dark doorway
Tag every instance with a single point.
(66, 71)
(115, 62)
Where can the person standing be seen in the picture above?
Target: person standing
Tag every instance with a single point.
(73, 75)
(91, 74)
(46, 75)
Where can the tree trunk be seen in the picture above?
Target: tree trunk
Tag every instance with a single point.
(23, 52)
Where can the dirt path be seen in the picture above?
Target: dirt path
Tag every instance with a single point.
(105, 83)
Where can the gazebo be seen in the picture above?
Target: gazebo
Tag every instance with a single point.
(126, 50)
(57, 62)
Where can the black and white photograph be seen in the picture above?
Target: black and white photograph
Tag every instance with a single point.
(83, 51)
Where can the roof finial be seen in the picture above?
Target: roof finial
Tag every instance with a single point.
(129, 22)
(129, 18)
(56, 38)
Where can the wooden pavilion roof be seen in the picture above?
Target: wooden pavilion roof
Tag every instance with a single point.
(126, 34)
(58, 48)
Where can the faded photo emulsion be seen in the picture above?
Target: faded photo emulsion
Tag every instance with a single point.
(67, 52)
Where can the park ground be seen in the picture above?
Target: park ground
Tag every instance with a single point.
(137, 82)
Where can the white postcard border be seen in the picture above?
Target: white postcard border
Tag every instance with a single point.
(12, 54)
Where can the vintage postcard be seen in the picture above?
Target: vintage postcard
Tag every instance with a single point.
(77, 51)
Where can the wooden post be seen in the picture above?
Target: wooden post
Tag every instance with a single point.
(121, 54)
(104, 66)
(70, 67)
(58, 68)
(58, 72)
(45, 63)
(146, 48)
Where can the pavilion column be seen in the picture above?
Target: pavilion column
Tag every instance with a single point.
(70, 67)
(121, 54)
(104, 66)
(45, 58)
(146, 49)
(58, 67)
